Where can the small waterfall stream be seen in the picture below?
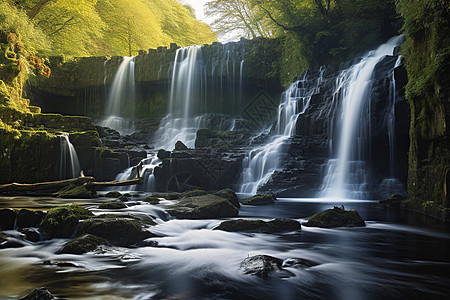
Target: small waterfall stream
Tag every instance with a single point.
(120, 105)
(69, 166)
(262, 161)
(346, 175)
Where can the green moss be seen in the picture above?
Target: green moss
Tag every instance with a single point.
(336, 217)
(73, 191)
(60, 222)
(82, 244)
(120, 232)
(112, 205)
(260, 200)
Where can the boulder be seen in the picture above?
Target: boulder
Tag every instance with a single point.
(60, 222)
(394, 202)
(179, 146)
(298, 263)
(152, 200)
(82, 244)
(163, 154)
(7, 218)
(260, 200)
(194, 193)
(113, 194)
(73, 191)
(112, 205)
(261, 265)
(117, 231)
(31, 234)
(336, 217)
(173, 196)
(39, 294)
(28, 218)
(274, 226)
(203, 207)
(230, 195)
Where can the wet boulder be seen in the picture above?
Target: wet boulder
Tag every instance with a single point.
(7, 218)
(274, 226)
(31, 234)
(39, 294)
(113, 194)
(261, 265)
(118, 231)
(27, 218)
(179, 146)
(60, 222)
(393, 202)
(230, 195)
(112, 205)
(336, 217)
(73, 191)
(298, 263)
(203, 207)
(194, 193)
(163, 154)
(260, 200)
(82, 244)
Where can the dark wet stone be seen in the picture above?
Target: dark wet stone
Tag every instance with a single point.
(194, 193)
(39, 294)
(62, 264)
(260, 200)
(113, 194)
(7, 218)
(261, 265)
(12, 243)
(119, 232)
(112, 205)
(163, 154)
(31, 234)
(203, 207)
(298, 263)
(274, 226)
(28, 218)
(152, 200)
(393, 202)
(336, 217)
(75, 192)
(179, 146)
(82, 244)
(230, 195)
(147, 244)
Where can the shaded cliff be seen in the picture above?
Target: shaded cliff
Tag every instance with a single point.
(427, 52)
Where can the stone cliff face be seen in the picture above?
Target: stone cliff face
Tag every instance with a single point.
(428, 91)
(236, 73)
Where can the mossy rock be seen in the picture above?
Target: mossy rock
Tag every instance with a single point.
(113, 194)
(89, 138)
(29, 218)
(393, 202)
(203, 207)
(152, 200)
(117, 231)
(112, 205)
(260, 200)
(336, 217)
(275, 226)
(73, 191)
(179, 146)
(230, 195)
(173, 196)
(194, 193)
(82, 244)
(145, 219)
(60, 222)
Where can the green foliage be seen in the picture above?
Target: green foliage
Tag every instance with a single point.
(13, 19)
(102, 27)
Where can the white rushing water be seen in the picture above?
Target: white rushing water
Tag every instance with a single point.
(261, 162)
(69, 166)
(121, 99)
(187, 100)
(346, 174)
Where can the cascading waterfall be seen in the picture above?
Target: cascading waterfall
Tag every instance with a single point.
(187, 100)
(261, 162)
(121, 99)
(346, 173)
(69, 166)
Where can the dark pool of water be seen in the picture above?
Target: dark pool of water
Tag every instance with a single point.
(398, 255)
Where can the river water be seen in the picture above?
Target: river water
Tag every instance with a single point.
(399, 255)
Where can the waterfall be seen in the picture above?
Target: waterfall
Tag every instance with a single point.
(187, 100)
(121, 99)
(346, 173)
(262, 161)
(69, 166)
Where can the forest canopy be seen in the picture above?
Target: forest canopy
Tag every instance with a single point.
(102, 27)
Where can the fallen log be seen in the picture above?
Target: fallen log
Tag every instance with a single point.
(51, 187)
(41, 188)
